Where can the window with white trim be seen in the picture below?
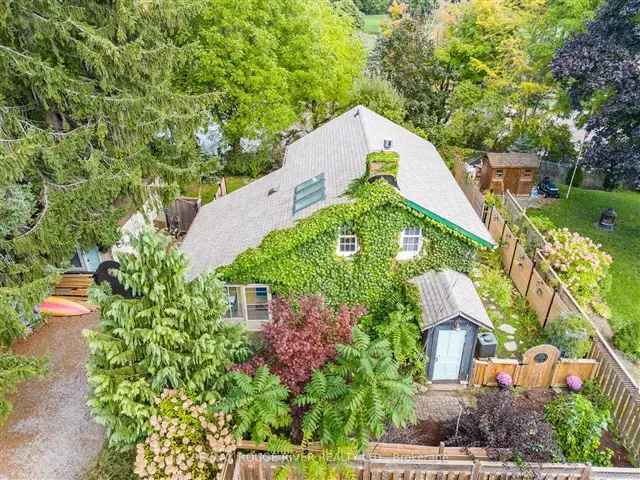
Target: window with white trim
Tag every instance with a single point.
(347, 242)
(410, 243)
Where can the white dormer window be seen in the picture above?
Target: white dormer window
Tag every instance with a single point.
(410, 243)
(347, 242)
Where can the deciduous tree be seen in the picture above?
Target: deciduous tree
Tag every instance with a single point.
(273, 60)
(601, 68)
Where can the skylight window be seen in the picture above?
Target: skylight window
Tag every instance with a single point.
(308, 192)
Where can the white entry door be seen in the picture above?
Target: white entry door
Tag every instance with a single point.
(448, 354)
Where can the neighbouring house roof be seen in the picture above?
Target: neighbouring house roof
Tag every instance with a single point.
(448, 294)
(513, 160)
(338, 149)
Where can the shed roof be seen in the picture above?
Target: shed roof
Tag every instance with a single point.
(231, 224)
(448, 294)
(513, 159)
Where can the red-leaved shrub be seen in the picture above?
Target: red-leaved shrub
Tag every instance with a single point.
(302, 337)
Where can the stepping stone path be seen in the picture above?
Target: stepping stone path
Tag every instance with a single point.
(508, 329)
(511, 346)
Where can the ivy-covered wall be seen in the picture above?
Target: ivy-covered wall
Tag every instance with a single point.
(303, 259)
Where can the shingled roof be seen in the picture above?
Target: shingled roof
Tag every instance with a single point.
(513, 160)
(446, 295)
(338, 149)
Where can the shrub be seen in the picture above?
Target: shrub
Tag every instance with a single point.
(258, 404)
(627, 337)
(578, 428)
(402, 332)
(357, 396)
(578, 178)
(504, 380)
(379, 95)
(542, 223)
(596, 396)
(187, 441)
(507, 428)
(571, 334)
(574, 383)
(579, 262)
(171, 335)
(13, 370)
(302, 337)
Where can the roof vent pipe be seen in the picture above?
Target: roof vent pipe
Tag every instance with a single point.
(387, 143)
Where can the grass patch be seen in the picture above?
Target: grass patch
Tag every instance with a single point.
(206, 191)
(113, 465)
(506, 306)
(372, 23)
(234, 183)
(581, 214)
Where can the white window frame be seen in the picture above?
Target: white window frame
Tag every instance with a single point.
(347, 236)
(254, 324)
(409, 254)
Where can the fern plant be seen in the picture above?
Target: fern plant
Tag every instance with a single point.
(258, 404)
(358, 395)
(403, 334)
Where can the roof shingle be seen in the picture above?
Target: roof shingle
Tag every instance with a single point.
(240, 220)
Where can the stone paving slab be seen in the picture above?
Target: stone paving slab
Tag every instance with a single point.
(443, 405)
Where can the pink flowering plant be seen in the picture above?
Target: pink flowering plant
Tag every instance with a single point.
(574, 383)
(187, 442)
(580, 263)
(504, 380)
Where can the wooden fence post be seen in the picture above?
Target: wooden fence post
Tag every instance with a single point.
(586, 473)
(490, 218)
(477, 470)
(504, 227)
(515, 250)
(441, 451)
(533, 267)
(553, 297)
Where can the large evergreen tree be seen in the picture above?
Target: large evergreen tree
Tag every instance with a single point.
(171, 335)
(88, 111)
(601, 67)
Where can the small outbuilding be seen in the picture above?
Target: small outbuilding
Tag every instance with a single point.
(452, 316)
(513, 171)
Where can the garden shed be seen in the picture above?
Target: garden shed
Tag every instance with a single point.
(513, 171)
(452, 316)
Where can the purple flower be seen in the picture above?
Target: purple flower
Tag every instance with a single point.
(574, 383)
(504, 380)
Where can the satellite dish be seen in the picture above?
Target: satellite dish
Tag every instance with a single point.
(103, 274)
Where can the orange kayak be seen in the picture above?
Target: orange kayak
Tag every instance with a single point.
(62, 307)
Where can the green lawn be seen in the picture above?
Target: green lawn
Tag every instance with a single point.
(206, 191)
(581, 213)
(372, 23)
(234, 183)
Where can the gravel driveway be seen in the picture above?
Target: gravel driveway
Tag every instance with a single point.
(50, 434)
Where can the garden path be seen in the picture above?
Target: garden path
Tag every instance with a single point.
(441, 405)
(50, 434)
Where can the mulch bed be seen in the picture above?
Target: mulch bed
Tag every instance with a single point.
(425, 432)
(429, 432)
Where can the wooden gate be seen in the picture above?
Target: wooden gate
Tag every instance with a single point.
(537, 366)
(541, 366)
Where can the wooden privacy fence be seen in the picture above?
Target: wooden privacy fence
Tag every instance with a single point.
(385, 450)
(540, 367)
(266, 467)
(468, 186)
(181, 214)
(551, 299)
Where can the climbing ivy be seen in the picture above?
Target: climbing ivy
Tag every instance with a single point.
(303, 259)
